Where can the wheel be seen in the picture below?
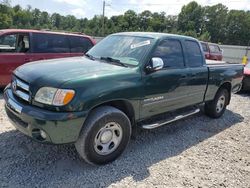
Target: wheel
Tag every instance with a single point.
(217, 107)
(104, 136)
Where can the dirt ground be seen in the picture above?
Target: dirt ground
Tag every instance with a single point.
(195, 152)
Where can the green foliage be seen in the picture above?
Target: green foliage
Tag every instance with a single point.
(191, 18)
(205, 37)
(209, 23)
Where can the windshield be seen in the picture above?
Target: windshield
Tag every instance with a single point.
(127, 49)
(248, 65)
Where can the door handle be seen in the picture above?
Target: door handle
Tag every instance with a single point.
(193, 75)
(183, 76)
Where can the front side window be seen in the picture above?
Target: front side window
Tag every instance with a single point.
(14, 43)
(50, 43)
(170, 51)
(194, 55)
(127, 49)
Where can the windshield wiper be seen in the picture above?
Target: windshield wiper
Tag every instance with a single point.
(112, 60)
(90, 56)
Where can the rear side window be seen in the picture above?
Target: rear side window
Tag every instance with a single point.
(170, 51)
(50, 43)
(194, 55)
(214, 48)
(80, 44)
(204, 47)
(14, 43)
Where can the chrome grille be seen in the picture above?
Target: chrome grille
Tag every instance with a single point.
(20, 89)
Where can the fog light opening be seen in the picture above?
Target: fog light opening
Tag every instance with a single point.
(39, 135)
(43, 134)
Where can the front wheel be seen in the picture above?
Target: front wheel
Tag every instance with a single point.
(104, 136)
(217, 106)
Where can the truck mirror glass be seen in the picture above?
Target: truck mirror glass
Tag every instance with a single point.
(157, 63)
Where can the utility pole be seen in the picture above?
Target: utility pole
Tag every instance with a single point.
(104, 5)
(103, 18)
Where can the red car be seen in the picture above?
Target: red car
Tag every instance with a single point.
(246, 79)
(212, 51)
(21, 46)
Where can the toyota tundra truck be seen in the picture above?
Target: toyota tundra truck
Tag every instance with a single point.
(128, 80)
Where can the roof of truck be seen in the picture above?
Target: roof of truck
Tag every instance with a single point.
(154, 35)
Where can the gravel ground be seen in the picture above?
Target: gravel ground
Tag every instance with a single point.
(195, 152)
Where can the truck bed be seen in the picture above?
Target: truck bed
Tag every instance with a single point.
(223, 72)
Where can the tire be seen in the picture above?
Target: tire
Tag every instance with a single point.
(217, 106)
(104, 136)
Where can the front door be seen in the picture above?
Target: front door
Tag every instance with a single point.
(166, 89)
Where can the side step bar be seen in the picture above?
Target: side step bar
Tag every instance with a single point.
(160, 123)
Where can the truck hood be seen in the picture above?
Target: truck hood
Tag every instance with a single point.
(56, 72)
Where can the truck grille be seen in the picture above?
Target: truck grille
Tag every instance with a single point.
(20, 89)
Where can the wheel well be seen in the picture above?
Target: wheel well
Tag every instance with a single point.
(124, 106)
(228, 87)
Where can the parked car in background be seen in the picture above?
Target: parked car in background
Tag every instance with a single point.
(212, 51)
(246, 79)
(21, 46)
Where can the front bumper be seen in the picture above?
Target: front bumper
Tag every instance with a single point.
(60, 127)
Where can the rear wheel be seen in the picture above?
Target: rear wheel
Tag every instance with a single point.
(104, 136)
(217, 107)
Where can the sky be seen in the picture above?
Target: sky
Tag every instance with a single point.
(89, 8)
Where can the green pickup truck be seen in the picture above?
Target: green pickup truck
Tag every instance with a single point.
(127, 80)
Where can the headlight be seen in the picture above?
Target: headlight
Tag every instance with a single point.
(54, 96)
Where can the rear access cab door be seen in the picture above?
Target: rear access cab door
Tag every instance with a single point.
(195, 63)
(181, 82)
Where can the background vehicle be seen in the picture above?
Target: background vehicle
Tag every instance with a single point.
(126, 80)
(21, 46)
(212, 51)
(246, 79)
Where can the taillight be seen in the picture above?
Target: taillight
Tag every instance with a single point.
(247, 71)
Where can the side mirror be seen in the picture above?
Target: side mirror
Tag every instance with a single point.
(156, 64)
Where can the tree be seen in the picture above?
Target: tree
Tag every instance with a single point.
(130, 21)
(191, 18)
(215, 21)
(56, 20)
(44, 20)
(6, 13)
(238, 27)
(144, 21)
(36, 14)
